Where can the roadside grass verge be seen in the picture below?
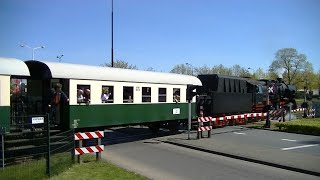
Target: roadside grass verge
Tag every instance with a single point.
(101, 170)
(89, 169)
(302, 126)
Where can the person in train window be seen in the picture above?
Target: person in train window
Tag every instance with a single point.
(105, 96)
(86, 96)
(56, 97)
(79, 96)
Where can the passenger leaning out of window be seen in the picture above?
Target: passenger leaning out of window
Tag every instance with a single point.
(80, 96)
(86, 96)
(105, 96)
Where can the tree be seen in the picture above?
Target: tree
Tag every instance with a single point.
(204, 70)
(182, 69)
(221, 69)
(318, 79)
(289, 60)
(150, 69)
(120, 64)
(260, 74)
(239, 71)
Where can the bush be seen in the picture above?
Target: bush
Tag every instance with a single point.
(307, 126)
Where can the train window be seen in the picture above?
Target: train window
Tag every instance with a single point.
(127, 94)
(146, 94)
(83, 94)
(176, 95)
(259, 89)
(18, 97)
(107, 94)
(162, 95)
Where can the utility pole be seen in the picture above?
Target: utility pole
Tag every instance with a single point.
(112, 65)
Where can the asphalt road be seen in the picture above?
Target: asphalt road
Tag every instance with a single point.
(158, 160)
(287, 149)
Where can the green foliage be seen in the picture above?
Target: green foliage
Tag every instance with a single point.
(183, 69)
(303, 126)
(89, 169)
(29, 170)
(96, 170)
(293, 64)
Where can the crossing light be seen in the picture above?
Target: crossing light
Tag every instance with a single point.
(190, 91)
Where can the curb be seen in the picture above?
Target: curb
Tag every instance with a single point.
(244, 158)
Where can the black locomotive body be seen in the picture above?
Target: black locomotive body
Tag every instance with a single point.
(227, 95)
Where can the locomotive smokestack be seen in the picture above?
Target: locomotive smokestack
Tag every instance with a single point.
(279, 79)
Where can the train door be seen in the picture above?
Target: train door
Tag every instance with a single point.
(62, 109)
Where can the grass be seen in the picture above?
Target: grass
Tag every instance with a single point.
(96, 170)
(89, 169)
(303, 126)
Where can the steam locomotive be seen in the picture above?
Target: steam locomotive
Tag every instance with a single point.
(222, 95)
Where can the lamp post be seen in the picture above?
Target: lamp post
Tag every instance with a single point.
(188, 64)
(33, 49)
(59, 57)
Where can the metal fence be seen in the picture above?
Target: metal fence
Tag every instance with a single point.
(34, 149)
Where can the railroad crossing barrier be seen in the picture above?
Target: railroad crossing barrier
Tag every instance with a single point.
(309, 113)
(201, 127)
(206, 123)
(90, 149)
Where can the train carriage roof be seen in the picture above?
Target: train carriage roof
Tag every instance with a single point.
(12, 66)
(49, 70)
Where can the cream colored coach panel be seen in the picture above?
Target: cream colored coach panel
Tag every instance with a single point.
(96, 90)
(4, 90)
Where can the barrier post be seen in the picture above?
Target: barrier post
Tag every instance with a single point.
(268, 123)
(189, 118)
(209, 132)
(48, 143)
(2, 132)
(98, 154)
(79, 157)
(198, 132)
(290, 109)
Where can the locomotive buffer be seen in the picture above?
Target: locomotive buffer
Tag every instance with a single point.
(190, 94)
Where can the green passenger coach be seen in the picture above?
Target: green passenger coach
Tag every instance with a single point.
(97, 96)
(12, 73)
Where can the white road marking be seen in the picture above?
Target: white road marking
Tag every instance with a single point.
(297, 147)
(292, 140)
(239, 133)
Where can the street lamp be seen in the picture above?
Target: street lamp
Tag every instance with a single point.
(59, 57)
(24, 45)
(188, 64)
(249, 68)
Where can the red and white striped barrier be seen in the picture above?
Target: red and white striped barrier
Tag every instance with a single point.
(299, 109)
(86, 150)
(88, 135)
(205, 128)
(204, 119)
(240, 116)
(90, 149)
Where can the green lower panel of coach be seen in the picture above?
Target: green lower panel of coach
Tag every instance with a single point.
(5, 117)
(122, 114)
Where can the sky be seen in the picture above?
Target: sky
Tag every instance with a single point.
(161, 33)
